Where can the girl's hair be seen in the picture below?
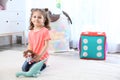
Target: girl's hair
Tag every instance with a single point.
(44, 12)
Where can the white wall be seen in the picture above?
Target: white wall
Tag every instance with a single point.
(12, 19)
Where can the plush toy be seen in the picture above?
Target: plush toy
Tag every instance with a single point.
(29, 54)
(34, 70)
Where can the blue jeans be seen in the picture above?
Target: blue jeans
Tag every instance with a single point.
(26, 66)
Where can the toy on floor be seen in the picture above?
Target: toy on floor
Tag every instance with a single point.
(93, 45)
(34, 70)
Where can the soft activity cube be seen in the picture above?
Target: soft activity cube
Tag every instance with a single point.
(92, 45)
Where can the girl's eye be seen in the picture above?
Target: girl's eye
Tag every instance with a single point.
(34, 16)
(37, 17)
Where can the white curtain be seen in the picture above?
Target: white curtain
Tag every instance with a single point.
(95, 15)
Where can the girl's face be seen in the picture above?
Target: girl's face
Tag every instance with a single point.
(37, 19)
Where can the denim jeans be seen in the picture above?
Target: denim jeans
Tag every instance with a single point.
(26, 66)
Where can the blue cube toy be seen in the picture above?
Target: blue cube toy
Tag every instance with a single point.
(92, 45)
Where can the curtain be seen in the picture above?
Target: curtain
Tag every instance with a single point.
(95, 15)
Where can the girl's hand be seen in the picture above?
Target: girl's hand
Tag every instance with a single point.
(36, 58)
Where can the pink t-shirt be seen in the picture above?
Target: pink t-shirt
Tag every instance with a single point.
(36, 39)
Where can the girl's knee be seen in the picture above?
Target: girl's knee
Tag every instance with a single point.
(25, 67)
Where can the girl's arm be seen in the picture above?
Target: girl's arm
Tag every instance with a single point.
(37, 58)
(29, 47)
(26, 51)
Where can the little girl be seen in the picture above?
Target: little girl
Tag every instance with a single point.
(38, 37)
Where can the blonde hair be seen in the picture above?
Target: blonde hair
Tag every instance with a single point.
(44, 12)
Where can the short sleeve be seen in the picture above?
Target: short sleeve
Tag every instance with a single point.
(47, 35)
